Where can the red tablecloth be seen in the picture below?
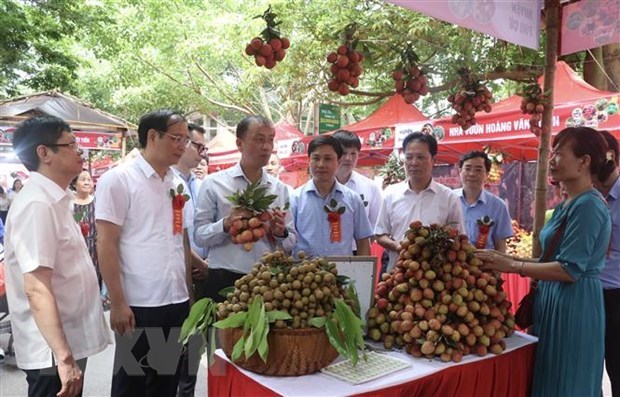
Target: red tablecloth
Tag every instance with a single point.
(508, 374)
(516, 287)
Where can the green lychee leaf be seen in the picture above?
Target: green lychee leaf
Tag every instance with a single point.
(333, 203)
(317, 322)
(341, 210)
(172, 193)
(180, 188)
(238, 349)
(186, 197)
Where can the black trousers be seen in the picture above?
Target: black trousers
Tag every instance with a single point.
(219, 279)
(46, 382)
(612, 338)
(148, 363)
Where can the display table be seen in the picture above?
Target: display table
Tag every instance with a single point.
(507, 374)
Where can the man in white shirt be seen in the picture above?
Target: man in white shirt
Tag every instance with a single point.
(56, 313)
(215, 213)
(368, 190)
(192, 157)
(146, 259)
(418, 198)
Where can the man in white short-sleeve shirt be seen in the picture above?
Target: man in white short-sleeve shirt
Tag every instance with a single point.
(142, 245)
(418, 198)
(56, 313)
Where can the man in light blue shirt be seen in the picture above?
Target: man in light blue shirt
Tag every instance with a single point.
(329, 217)
(369, 191)
(190, 159)
(477, 203)
(215, 213)
(610, 275)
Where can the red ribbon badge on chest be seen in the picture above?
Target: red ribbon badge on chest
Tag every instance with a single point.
(179, 197)
(334, 211)
(484, 227)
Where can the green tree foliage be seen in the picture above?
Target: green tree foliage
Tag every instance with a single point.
(129, 56)
(36, 44)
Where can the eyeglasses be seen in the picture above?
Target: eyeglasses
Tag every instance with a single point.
(200, 147)
(74, 145)
(178, 139)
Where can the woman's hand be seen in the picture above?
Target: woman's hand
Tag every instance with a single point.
(496, 260)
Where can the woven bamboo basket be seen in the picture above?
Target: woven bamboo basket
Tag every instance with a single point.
(292, 352)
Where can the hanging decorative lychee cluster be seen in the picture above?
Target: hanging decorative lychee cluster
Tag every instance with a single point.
(533, 103)
(471, 97)
(269, 48)
(345, 69)
(409, 79)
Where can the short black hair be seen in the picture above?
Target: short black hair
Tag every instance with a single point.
(348, 139)
(195, 127)
(326, 140)
(425, 138)
(475, 154)
(191, 127)
(158, 120)
(244, 125)
(30, 134)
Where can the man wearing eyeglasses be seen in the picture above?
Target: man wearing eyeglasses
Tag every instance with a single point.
(418, 198)
(477, 202)
(215, 213)
(56, 313)
(192, 157)
(146, 259)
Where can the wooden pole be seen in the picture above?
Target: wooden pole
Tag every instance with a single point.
(552, 17)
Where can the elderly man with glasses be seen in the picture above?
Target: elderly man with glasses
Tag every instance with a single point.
(56, 314)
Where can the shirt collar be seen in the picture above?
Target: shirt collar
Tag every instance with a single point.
(50, 186)
(150, 171)
(338, 187)
(432, 187)
(614, 193)
(482, 198)
(236, 171)
(178, 173)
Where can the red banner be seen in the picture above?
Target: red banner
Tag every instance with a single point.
(87, 140)
(98, 140)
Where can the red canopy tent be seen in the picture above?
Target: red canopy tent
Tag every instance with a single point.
(222, 151)
(376, 132)
(506, 129)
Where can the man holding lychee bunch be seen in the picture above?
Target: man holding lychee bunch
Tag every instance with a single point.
(241, 211)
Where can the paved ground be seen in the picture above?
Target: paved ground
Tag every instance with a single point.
(98, 375)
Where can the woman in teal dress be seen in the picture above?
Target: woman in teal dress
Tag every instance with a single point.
(568, 312)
